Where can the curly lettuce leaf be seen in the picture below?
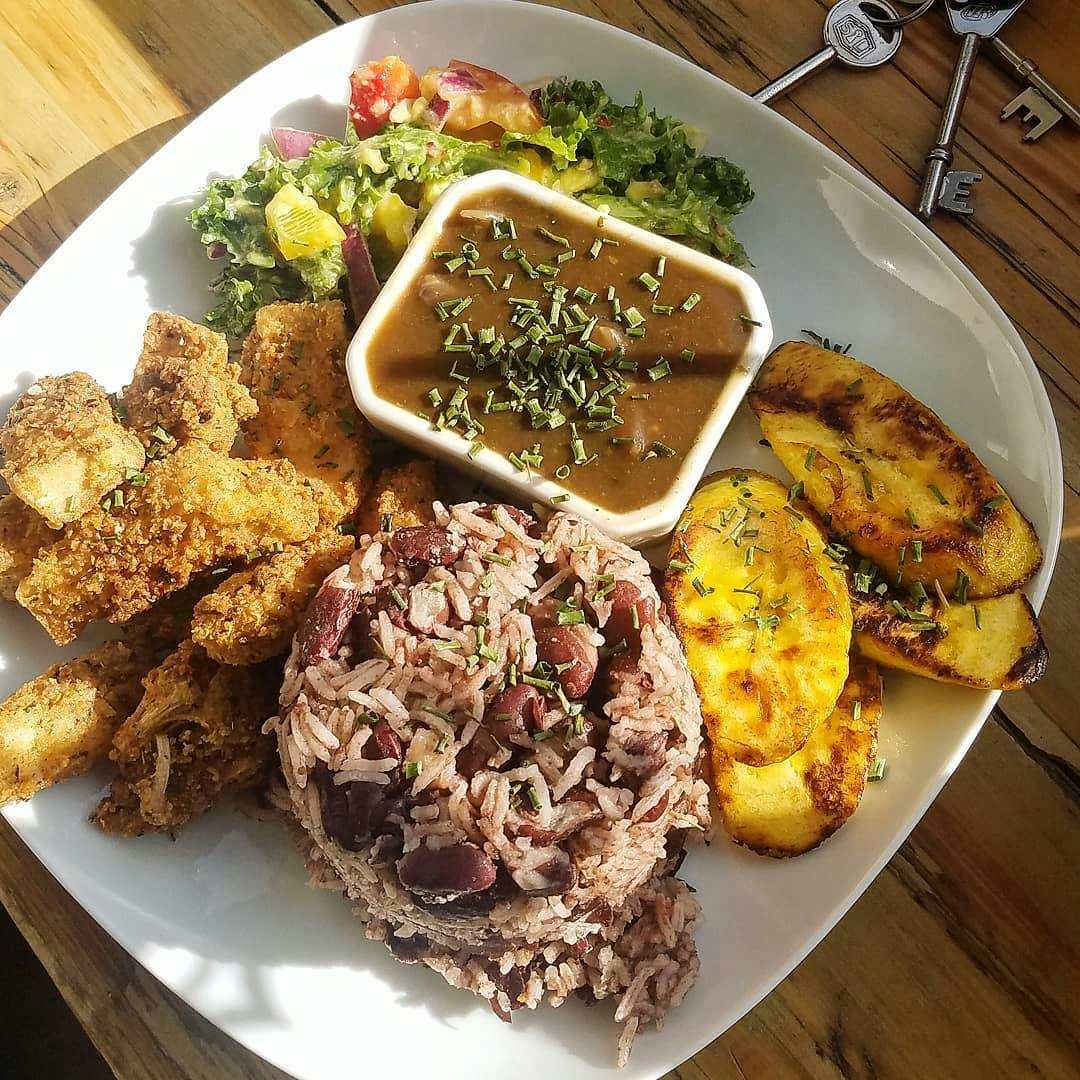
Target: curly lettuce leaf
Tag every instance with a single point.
(245, 289)
(633, 144)
(561, 142)
(697, 221)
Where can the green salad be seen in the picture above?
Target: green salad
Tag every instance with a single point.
(284, 229)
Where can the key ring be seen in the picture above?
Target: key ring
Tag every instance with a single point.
(903, 20)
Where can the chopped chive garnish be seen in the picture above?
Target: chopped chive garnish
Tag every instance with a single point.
(971, 526)
(475, 449)
(700, 587)
(795, 491)
(560, 498)
(808, 464)
(494, 557)
(911, 518)
(877, 770)
(553, 237)
(750, 322)
(978, 617)
(916, 550)
(960, 588)
(662, 309)
(994, 503)
(687, 355)
(680, 565)
(398, 599)
(651, 283)
(794, 513)
(868, 487)
(690, 302)
(659, 371)
(936, 492)
(562, 472)
(412, 769)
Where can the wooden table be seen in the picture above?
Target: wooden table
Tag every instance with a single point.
(963, 958)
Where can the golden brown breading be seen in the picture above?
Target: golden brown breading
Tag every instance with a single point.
(294, 363)
(196, 732)
(62, 722)
(197, 510)
(64, 449)
(23, 533)
(185, 385)
(406, 492)
(254, 613)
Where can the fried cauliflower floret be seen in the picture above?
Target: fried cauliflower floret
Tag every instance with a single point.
(293, 361)
(405, 492)
(195, 733)
(23, 533)
(184, 389)
(196, 510)
(254, 613)
(64, 449)
(59, 724)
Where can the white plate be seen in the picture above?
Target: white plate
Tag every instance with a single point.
(222, 915)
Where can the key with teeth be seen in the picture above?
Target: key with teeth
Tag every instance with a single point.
(973, 22)
(1041, 100)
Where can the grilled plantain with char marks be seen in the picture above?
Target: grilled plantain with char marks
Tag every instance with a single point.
(762, 612)
(889, 476)
(792, 806)
(993, 644)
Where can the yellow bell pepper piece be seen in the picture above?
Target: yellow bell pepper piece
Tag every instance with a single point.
(393, 220)
(298, 225)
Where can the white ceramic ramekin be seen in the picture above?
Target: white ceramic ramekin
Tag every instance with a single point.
(632, 526)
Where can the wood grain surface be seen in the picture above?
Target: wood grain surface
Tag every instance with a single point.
(963, 958)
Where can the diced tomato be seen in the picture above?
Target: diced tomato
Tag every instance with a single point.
(377, 87)
(483, 103)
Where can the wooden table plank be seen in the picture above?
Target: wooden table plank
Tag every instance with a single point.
(961, 959)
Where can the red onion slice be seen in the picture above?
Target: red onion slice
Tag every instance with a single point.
(457, 81)
(363, 284)
(438, 108)
(293, 143)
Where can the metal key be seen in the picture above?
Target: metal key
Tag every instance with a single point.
(1040, 100)
(973, 22)
(850, 37)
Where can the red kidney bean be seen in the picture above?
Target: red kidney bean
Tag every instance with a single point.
(475, 756)
(448, 872)
(568, 817)
(656, 812)
(384, 601)
(554, 877)
(325, 622)
(512, 984)
(514, 513)
(384, 743)
(558, 645)
(430, 544)
(407, 950)
(351, 813)
(625, 599)
(518, 710)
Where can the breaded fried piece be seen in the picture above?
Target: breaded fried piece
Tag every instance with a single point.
(62, 722)
(197, 510)
(64, 448)
(254, 613)
(293, 361)
(23, 533)
(185, 387)
(406, 492)
(196, 732)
